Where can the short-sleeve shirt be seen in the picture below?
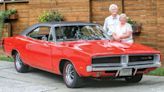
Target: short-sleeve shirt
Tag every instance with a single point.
(122, 30)
(110, 24)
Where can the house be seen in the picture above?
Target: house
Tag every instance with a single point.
(148, 12)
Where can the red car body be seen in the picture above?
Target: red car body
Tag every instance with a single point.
(50, 56)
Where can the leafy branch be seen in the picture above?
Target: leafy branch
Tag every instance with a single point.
(5, 15)
(50, 16)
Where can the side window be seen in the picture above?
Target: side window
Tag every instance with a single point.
(59, 34)
(40, 33)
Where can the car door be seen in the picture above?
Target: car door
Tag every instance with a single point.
(39, 48)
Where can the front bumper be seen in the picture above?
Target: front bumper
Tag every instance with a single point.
(125, 64)
(110, 68)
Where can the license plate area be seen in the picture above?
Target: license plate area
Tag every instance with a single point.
(125, 72)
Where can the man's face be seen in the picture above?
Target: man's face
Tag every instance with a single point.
(114, 11)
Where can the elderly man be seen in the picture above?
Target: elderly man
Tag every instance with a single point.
(112, 21)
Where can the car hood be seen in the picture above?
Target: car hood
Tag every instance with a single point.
(106, 47)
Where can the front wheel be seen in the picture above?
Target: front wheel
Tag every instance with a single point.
(71, 78)
(19, 65)
(134, 79)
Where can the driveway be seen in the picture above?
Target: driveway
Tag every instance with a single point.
(40, 81)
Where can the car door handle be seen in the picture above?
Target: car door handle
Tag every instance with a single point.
(28, 46)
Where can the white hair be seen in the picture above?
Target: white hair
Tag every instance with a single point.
(123, 16)
(113, 6)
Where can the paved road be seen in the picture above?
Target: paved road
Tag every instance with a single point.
(40, 81)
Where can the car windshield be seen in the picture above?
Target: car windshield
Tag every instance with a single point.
(86, 32)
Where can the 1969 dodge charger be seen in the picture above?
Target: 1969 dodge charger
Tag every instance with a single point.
(78, 50)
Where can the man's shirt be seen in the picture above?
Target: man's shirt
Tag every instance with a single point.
(110, 24)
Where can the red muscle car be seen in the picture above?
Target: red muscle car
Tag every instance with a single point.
(77, 50)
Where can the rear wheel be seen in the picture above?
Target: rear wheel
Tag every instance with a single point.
(19, 65)
(134, 79)
(71, 78)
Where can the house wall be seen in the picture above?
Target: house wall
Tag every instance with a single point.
(148, 12)
(73, 10)
(160, 28)
(100, 9)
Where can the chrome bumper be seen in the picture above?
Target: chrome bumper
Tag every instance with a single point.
(110, 68)
(125, 64)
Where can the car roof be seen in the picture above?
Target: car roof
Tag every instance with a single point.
(62, 23)
(67, 23)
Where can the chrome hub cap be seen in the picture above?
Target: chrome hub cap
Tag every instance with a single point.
(69, 74)
(18, 62)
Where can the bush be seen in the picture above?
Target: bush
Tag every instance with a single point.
(5, 15)
(157, 72)
(50, 16)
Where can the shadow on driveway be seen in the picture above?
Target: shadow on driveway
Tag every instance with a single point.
(94, 83)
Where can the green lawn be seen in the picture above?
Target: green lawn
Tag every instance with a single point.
(157, 72)
(5, 58)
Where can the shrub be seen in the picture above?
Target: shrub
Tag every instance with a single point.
(50, 16)
(5, 15)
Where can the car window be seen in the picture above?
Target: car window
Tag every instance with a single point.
(59, 34)
(66, 33)
(40, 33)
(81, 32)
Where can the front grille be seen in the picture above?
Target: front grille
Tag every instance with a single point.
(141, 58)
(104, 60)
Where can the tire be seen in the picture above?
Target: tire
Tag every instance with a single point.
(70, 76)
(19, 65)
(134, 79)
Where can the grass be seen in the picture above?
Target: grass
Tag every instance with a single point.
(157, 72)
(5, 58)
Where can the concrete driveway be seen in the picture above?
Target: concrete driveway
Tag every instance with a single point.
(40, 81)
